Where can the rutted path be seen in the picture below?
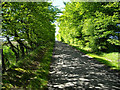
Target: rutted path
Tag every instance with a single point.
(71, 70)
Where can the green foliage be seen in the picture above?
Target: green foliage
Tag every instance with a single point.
(27, 56)
(89, 24)
(29, 23)
(30, 72)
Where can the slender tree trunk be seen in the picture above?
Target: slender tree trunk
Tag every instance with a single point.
(3, 62)
(13, 48)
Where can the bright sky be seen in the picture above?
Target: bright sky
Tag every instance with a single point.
(60, 5)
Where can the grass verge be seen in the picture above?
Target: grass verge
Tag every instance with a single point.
(30, 72)
(109, 59)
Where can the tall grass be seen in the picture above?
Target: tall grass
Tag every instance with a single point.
(30, 72)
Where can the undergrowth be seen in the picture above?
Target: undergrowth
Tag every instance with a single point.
(30, 72)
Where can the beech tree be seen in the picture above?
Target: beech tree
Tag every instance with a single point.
(89, 24)
(29, 23)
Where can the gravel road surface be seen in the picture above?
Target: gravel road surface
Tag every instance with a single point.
(72, 70)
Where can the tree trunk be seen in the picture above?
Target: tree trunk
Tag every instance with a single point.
(13, 48)
(3, 63)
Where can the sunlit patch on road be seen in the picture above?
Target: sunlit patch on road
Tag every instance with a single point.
(72, 70)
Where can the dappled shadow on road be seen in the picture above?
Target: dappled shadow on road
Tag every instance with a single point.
(72, 70)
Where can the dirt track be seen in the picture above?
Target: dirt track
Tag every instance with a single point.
(72, 70)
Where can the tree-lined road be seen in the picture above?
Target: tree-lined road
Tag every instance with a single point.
(72, 70)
